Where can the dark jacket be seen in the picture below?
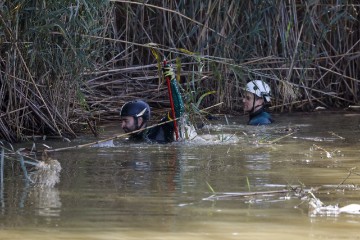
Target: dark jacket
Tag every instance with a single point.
(158, 134)
(260, 117)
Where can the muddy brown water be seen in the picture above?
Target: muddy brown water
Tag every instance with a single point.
(151, 191)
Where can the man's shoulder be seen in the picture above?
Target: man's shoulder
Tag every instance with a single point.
(262, 118)
(159, 134)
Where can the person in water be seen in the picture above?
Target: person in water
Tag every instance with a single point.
(257, 96)
(136, 114)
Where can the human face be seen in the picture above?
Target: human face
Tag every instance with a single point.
(128, 124)
(249, 104)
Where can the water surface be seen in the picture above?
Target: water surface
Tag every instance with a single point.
(151, 191)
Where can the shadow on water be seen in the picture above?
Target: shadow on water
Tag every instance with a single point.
(261, 177)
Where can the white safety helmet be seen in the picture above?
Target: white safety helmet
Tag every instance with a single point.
(259, 88)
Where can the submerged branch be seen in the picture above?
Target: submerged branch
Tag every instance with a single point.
(225, 196)
(110, 138)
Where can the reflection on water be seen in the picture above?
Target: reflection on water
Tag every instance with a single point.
(46, 201)
(151, 191)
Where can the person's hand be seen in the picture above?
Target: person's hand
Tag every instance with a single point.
(168, 71)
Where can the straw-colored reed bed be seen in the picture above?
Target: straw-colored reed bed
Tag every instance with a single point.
(71, 62)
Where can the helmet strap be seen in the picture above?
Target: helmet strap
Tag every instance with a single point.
(253, 105)
(136, 123)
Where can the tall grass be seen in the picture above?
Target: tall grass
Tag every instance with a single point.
(43, 58)
(307, 51)
(67, 62)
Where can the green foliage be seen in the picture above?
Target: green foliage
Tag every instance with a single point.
(195, 91)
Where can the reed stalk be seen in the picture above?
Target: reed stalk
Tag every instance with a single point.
(67, 63)
(2, 170)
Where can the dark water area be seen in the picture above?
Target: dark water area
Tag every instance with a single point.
(198, 189)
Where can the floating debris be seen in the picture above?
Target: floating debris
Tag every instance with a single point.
(318, 208)
(47, 172)
(109, 143)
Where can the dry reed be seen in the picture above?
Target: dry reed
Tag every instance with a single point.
(65, 64)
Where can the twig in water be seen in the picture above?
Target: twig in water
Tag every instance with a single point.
(117, 136)
(272, 141)
(347, 177)
(211, 189)
(219, 196)
(227, 121)
(22, 164)
(328, 154)
(248, 183)
(279, 138)
(108, 139)
(334, 134)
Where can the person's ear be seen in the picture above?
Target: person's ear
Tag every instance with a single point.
(140, 121)
(260, 100)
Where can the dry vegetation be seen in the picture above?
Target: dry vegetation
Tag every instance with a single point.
(64, 63)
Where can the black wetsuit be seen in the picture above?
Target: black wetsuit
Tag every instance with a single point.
(163, 133)
(159, 134)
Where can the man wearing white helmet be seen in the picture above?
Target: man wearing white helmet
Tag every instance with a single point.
(256, 96)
